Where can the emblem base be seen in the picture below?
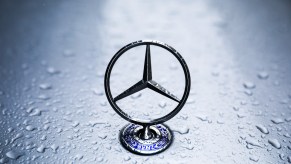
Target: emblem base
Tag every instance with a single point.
(131, 137)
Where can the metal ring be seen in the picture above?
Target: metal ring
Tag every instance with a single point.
(158, 120)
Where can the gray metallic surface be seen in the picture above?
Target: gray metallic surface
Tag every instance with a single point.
(53, 55)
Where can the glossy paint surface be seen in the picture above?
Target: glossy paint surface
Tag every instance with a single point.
(53, 56)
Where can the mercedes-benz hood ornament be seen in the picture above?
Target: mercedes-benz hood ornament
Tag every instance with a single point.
(146, 136)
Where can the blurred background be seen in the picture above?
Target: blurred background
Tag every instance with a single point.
(53, 56)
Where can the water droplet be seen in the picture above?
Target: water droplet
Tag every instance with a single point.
(43, 97)
(253, 158)
(240, 116)
(235, 108)
(19, 135)
(59, 130)
(30, 109)
(252, 142)
(188, 147)
(45, 86)
(54, 147)
(127, 158)
(103, 103)
(36, 112)
(277, 120)
(162, 104)
(30, 128)
(102, 136)
(190, 101)
(29, 145)
(46, 127)
(243, 102)
(79, 157)
(183, 117)
(14, 154)
(136, 95)
(181, 130)
(263, 129)
(41, 149)
(240, 127)
(161, 156)
(275, 143)
(249, 85)
(52, 70)
(75, 124)
(220, 121)
(256, 103)
(202, 118)
(97, 92)
(43, 138)
(93, 123)
(34, 157)
(263, 75)
(288, 119)
(289, 159)
(283, 101)
(282, 156)
(248, 92)
(183, 155)
(100, 159)
(287, 135)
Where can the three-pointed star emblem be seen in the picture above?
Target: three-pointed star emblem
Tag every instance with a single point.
(147, 82)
